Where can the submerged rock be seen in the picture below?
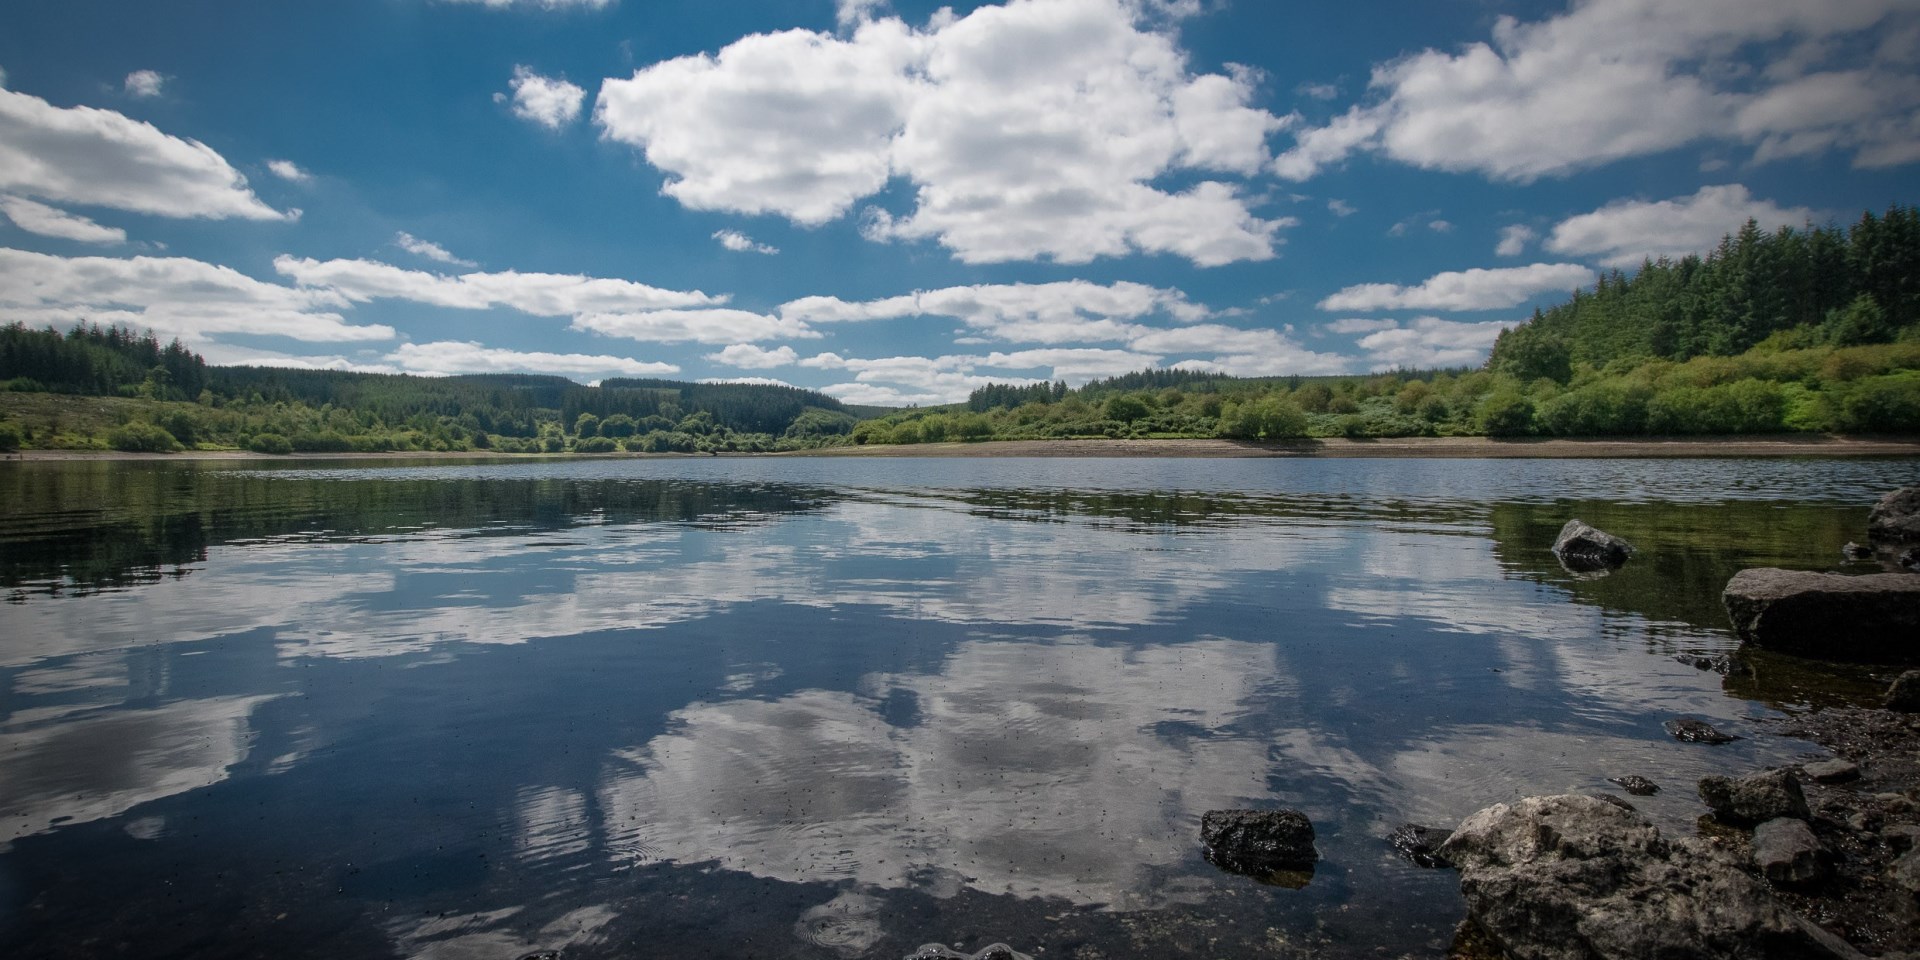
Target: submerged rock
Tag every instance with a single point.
(1258, 843)
(1896, 518)
(1420, 845)
(1689, 730)
(1827, 616)
(1723, 664)
(1635, 784)
(1854, 551)
(1904, 695)
(1755, 799)
(940, 951)
(1787, 852)
(1575, 878)
(1584, 549)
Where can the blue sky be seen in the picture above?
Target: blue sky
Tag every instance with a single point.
(897, 202)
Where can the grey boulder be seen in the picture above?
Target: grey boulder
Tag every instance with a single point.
(1904, 695)
(1787, 852)
(1756, 799)
(1873, 618)
(1577, 878)
(1583, 548)
(1896, 518)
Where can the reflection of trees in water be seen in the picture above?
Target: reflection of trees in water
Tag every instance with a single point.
(94, 525)
(1685, 553)
(1154, 510)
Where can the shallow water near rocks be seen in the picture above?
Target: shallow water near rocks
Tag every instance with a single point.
(841, 708)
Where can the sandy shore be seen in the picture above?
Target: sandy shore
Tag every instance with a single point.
(1796, 445)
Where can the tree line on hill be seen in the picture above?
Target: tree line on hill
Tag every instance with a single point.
(1790, 330)
(158, 398)
(1813, 329)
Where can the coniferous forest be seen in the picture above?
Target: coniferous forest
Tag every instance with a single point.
(1795, 330)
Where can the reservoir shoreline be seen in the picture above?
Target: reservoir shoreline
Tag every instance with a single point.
(1792, 445)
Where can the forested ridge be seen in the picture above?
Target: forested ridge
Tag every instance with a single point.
(1797, 329)
(155, 397)
(1814, 329)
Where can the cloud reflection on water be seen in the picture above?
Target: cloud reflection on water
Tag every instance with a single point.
(1069, 770)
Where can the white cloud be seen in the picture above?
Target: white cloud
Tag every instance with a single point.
(1074, 364)
(755, 381)
(144, 84)
(1432, 342)
(1440, 226)
(1351, 325)
(549, 102)
(749, 357)
(224, 354)
(426, 248)
(1318, 91)
(711, 325)
(1611, 79)
(450, 357)
(172, 295)
(97, 157)
(741, 243)
(540, 294)
(1031, 130)
(852, 13)
(1341, 208)
(1513, 240)
(289, 171)
(795, 123)
(1625, 232)
(50, 222)
(1059, 312)
(1476, 289)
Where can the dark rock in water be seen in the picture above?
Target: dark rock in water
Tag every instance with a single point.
(1723, 664)
(1896, 518)
(1911, 558)
(1689, 730)
(1827, 616)
(1258, 842)
(1755, 799)
(1574, 878)
(1582, 548)
(939, 951)
(1635, 784)
(1787, 852)
(542, 955)
(1854, 551)
(1831, 771)
(1904, 695)
(1420, 844)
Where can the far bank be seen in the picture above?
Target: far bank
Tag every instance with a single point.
(1792, 445)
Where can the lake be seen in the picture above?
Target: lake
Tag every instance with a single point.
(838, 708)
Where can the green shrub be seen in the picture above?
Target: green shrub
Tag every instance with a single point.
(325, 441)
(596, 445)
(1889, 404)
(10, 436)
(270, 443)
(1504, 413)
(142, 437)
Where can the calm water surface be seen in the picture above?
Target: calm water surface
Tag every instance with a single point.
(838, 708)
